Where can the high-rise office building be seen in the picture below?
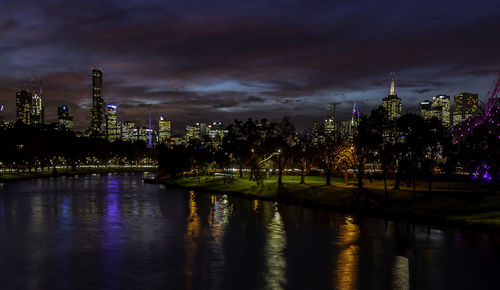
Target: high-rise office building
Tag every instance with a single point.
(441, 105)
(129, 132)
(464, 106)
(164, 130)
(392, 103)
(143, 134)
(196, 131)
(97, 110)
(348, 129)
(37, 110)
(216, 132)
(425, 109)
(64, 120)
(438, 108)
(330, 122)
(23, 107)
(112, 128)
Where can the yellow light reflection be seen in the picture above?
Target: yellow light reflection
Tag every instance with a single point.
(192, 233)
(401, 273)
(275, 275)
(347, 263)
(255, 205)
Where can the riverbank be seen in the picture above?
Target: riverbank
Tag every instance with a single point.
(455, 204)
(16, 176)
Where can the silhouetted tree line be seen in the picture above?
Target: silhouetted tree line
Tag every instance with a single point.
(39, 148)
(407, 149)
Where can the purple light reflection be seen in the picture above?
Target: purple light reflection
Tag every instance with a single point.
(112, 234)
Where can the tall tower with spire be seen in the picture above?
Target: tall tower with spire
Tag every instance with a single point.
(392, 103)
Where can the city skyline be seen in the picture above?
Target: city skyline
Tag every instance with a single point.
(192, 63)
(343, 116)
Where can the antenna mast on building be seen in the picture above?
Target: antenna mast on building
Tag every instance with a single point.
(150, 143)
(332, 108)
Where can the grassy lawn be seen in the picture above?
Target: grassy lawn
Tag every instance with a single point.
(448, 202)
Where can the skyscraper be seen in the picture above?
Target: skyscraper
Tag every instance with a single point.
(392, 103)
(37, 110)
(129, 132)
(23, 107)
(196, 131)
(97, 110)
(330, 122)
(112, 129)
(438, 108)
(425, 109)
(216, 132)
(164, 130)
(64, 120)
(464, 106)
(441, 105)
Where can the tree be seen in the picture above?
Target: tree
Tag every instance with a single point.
(284, 135)
(413, 145)
(304, 153)
(331, 153)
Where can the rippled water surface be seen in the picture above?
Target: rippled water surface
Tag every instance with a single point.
(114, 232)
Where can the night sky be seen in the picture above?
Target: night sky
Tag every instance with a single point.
(219, 60)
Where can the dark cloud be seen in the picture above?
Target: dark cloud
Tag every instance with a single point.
(421, 91)
(198, 62)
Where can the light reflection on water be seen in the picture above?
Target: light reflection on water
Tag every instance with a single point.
(347, 261)
(114, 231)
(275, 270)
(193, 229)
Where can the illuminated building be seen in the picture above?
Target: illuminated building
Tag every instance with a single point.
(438, 108)
(330, 126)
(442, 104)
(129, 132)
(1, 116)
(112, 128)
(425, 109)
(37, 109)
(216, 132)
(464, 106)
(316, 129)
(64, 120)
(196, 131)
(164, 130)
(97, 110)
(345, 130)
(23, 107)
(330, 123)
(143, 134)
(350, 128)
(392, 103)
(316, 132)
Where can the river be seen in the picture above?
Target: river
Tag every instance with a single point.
(112, 231)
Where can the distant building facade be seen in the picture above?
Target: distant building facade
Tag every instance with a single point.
(216, 131)
(438, 108)
(64, 120)
(392, 103)
(164, 130)
(37, 110)
(129, 132)
(97, 110)
(196, 131)
(465, 105)
(23, 107)
(112, 129)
